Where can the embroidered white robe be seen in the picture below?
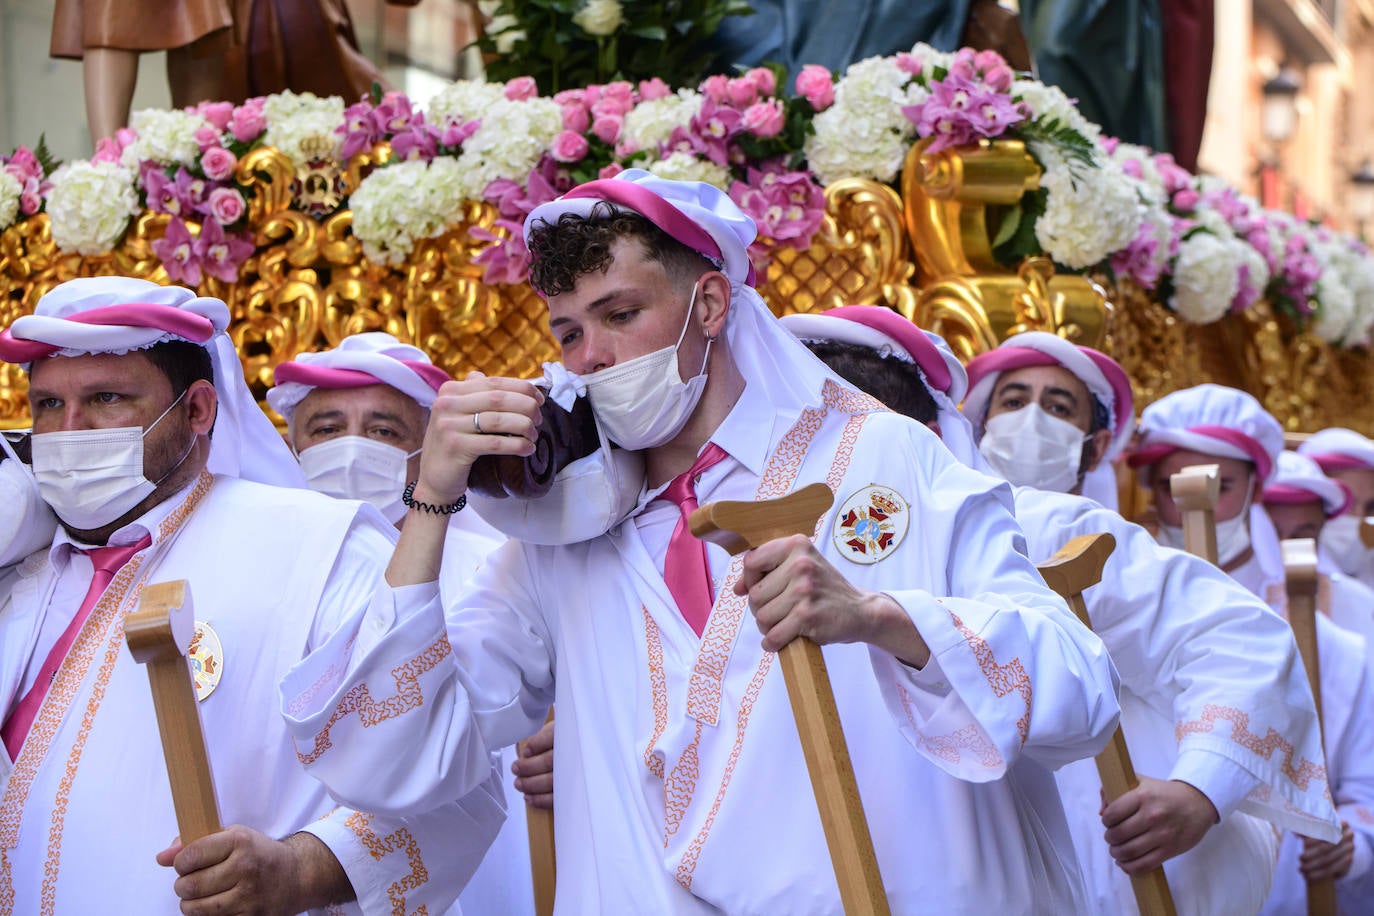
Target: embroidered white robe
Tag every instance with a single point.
(87, 805)
(1212, 694)
(680, 785)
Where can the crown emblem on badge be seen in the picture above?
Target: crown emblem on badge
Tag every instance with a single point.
(884, 504)
(870, 524)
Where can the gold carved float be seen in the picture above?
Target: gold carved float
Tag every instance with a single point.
(925, 253)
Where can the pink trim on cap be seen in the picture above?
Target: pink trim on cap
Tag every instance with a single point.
(1151, 454)
(1248, 444)
(1287, 494)
(175, 321)
(429, 373)
(323, 376)
(1338, 461)
(1122, 395)
(656, 210)
(911, 338)
(1005, 359)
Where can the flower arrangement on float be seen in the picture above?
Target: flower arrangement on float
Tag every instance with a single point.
(1200, 246)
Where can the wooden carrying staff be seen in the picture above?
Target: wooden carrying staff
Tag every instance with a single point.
(1300, 574)
(158, 634)
(1075, 568)
(543, 862)
(1196, 491)
(1367, 532)
(738, 526)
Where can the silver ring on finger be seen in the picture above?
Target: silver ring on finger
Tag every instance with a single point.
(476, 423)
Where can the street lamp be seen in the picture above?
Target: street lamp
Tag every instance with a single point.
(1280, 114)
(1362, 197)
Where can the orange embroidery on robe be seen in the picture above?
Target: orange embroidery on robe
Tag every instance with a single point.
(99, 627)
(658, 684)
(372, 712)
(950, 748)
(380, 847)
(1004, 679)
(1300, 773)
(1363, 815)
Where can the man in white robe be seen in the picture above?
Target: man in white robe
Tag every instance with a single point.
(1348, 457)
(1212, 424)
(1177, 664)
(356, 418)
(680, 786)
(128, 382)
(1301, 502)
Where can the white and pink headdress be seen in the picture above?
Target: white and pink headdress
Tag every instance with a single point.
(120, 315)
(1338, 449)
(889, 334)
(373, 358)
(1101, 374)
(1298, 479)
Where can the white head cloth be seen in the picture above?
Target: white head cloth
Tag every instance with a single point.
(1337, 449)
(1225, 422)
(1299, 478)
(373, 358)
(245, 443)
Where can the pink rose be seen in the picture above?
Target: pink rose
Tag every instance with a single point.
(906, 62)
(218, 163)
(999, 77)
(741, 92)
(764, 80)
(815, 84)
(607, 127)
(764, 119)
(570, 147)
(248, 122)
(654, 89)
(206, 137)
(522, 88)
(621, 92)
(30, 200)
(226, 206)
(716, 87)
(107, 149)
(571, 97)
(217, 113)
(1186, 200)
(610, 171)
(576, 118)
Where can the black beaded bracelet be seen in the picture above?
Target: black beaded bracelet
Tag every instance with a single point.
(408, 498)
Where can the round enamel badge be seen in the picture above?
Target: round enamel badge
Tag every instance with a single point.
(871, 524)
(205, 657)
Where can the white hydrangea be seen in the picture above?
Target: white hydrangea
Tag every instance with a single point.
(303, 125)
(1247, 256)
(650, 123)
(165, 137)
(510, 142)
(90, 206)
(1051, 104)
(10, 191)
(1206, 278)
(402, 203)
(864, 134)
(1360, 280)
(1335, 308)
(465, 100)
(682, 166)
(1149, 185)
(1087, 216)
(930, 58)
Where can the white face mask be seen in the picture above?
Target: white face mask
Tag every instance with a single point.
(644, 402)
(356, 467)
(1233, 535)
(1030, 448)
(1340, 539)
(91, 477)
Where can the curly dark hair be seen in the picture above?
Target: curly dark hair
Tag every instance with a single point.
(890, 379)
(575, 245)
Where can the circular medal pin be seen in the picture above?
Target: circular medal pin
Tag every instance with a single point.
(205, 656)
(871, 524)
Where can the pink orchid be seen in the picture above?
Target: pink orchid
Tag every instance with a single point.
(417, 141)
(359, 130)
(1140, 260)
(787, 206)
(458, 132)
(714, 127)
(395, 114)
(221, 254)
(176, 250)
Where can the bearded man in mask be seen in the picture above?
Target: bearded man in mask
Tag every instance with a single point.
(1212, 424)
(1202, 809)
(150, 450)
(1348, 457)
(677, 754)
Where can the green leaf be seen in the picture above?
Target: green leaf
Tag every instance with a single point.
(1010, 223)
(45, 157)
(376, 94)
(650, 32)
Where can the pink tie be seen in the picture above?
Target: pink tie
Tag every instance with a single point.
(686, 568)
(107, 561)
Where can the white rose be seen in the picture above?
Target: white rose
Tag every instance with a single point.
(1205, 278)
(90, 206)
(599, 17)
(10, 191)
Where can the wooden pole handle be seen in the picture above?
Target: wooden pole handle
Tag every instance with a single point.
(738, 526)
(1196, 490)
(543, 860)
(158, 634)
(1300, 577)
(1367, 532)
(1075, 568)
